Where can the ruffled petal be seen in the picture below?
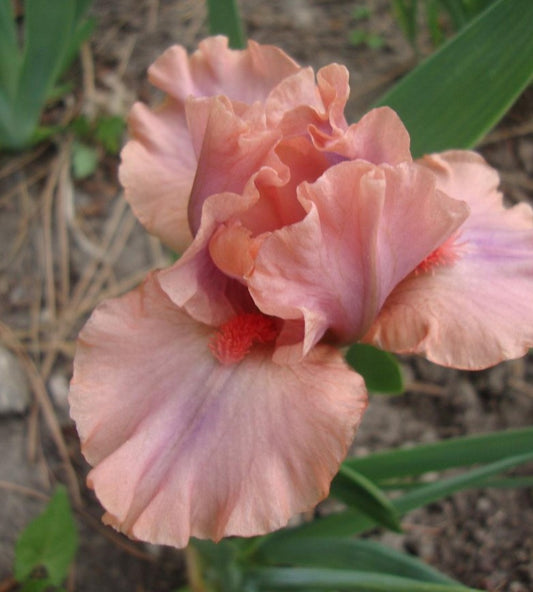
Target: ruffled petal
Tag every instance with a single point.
(299, 104)
(194, 282)
(157, 171)
(232, 151)
(183, 445)
(378, 137)
(366, 228)
(474, 310)
(213, 69)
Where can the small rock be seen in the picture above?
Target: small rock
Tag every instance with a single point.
(14, 388)
(59, 386)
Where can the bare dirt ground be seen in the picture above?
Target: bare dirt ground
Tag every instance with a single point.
(68, 244)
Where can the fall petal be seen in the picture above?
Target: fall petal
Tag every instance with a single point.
(489, 280)
(183, 445)
(367, 227)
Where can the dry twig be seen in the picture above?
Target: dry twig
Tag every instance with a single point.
(46, 406)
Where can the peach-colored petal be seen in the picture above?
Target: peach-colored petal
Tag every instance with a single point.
(299, 103)
(157, 171)
(194, 282)
(232, 151)
(183, 445)
(276, 204)
(297, 90)
(476, 310)
(213, 69)
(378, 137)
(366, 228)
(233, 250)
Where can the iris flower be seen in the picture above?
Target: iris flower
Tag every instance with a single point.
(214, 399)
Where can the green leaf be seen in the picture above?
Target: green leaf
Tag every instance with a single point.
(439, 456)
(48, 27)
(444, 487)
(81, 33)
(224, 19)
(358, 492)
(49, 541)
(109, 131)
(345, 553)
(287, 578)
(52, 34)
(457, 12)
(406, 13)
(9, 50)
(84, 160)
(380, 369)
(457, 95)
(510, 483)
(220, 568)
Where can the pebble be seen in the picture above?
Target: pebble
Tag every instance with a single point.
(59, 387)
(14, 388)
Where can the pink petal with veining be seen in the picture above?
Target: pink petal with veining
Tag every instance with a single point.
(183, 445)
(477, 310)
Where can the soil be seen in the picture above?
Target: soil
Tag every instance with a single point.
(68, 243)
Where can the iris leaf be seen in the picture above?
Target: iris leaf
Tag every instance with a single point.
(224, 19)
(379, 368)
(351, 522)
(286, 578)
(439, 456)
(347, 553)
(357, 491)
(460, 92)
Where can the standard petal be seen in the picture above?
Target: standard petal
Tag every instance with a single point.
(378, 137)
(213, 69)
(157, 171)
(183, 445)
(367, 227)
(232, 151)
(299, 104)
(477, 310)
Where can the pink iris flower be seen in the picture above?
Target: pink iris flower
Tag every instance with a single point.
(214, 399)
